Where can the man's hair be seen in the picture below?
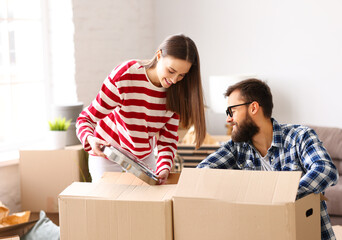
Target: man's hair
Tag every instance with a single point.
(254, 90)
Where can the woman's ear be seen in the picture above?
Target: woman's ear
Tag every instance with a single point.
(158, 54)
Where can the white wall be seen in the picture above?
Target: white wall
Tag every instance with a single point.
(294, 45)
(108, 32)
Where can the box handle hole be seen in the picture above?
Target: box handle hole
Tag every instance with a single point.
(309, 212)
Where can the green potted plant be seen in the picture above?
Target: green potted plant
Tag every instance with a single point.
(58, 132)
(59, 124)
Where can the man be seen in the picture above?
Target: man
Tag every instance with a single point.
(259, 142)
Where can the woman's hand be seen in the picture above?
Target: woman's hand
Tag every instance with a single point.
(162, 176)
(96, 145)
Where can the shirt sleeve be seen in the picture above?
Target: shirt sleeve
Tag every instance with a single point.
(223, 158)
(167, 144)
(320, 171)
(106, 100)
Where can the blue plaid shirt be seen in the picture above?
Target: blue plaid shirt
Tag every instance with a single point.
(294, 148)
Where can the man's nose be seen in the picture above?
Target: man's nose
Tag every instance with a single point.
(229, 119)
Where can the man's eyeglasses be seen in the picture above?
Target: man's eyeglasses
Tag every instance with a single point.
(229, 109)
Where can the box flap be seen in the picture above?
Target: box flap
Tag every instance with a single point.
(129, 178)
(240, 186)
(113, 191)
(94, 190)
(121, 178)
(149, 193)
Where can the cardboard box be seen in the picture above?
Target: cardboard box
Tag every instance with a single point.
(338, 231)
(118, 207)
(45, 173)
(234, 204)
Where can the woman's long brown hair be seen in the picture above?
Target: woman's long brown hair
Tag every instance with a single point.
(185, 97)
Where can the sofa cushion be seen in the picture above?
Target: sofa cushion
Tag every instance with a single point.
(334, 202)
(331, 138)
(332, 141)
(338, 164)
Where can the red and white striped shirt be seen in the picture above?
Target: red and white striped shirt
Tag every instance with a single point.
(130, 111)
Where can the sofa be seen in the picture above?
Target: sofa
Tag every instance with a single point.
(332, 141)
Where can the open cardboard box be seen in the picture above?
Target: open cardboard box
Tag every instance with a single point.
(119, 206)
(338, 232)
(207, 204)
(234, 204)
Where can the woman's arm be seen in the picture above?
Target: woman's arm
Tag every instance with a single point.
(106, 100)
(167, 145)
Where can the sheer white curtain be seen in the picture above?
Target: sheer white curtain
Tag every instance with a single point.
(22, 80)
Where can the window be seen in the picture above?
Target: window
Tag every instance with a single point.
(22, 80)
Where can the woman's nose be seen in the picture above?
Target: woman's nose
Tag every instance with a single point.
(174, 79)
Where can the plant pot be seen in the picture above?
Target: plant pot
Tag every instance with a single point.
(69, 111)
(57, 139)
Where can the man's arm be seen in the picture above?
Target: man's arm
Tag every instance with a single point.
(223, 158)
(320, 169)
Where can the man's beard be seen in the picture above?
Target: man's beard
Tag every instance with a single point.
(245, 130)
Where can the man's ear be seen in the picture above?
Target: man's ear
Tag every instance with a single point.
(255, 107)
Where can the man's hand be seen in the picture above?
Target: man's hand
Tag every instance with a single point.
(96, 145)
(162, 176)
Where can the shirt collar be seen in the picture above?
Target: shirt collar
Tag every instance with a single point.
(277, 134)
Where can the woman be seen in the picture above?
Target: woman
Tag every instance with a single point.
(141, 104)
